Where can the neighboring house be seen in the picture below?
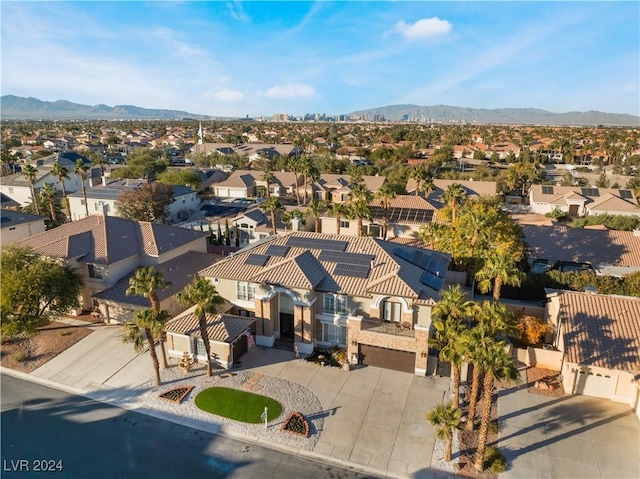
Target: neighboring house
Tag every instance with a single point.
(228, 336)
(255, 225)
(582, 201)
(247, 183)
(17, 187)
(104, 249)
(179, 271)
(372, 297)
(405, 215)
(16, 226)
(335, 188)
(250, 150)
(470, 187)
(102, 200)
(609, 252)
(599, 338)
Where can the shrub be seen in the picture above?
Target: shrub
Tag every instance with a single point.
(557, 214)
(532, 330)
(495, 460)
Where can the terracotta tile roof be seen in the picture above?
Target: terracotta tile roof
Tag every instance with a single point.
(220, 327)
(559, 194)
(600, 330)
(107, 239)
(178, 271)
(390, 274)
(472, 188)
(406, 201)
(561, 243)
(611, 203)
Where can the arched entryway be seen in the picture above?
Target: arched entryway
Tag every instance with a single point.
(285, 316)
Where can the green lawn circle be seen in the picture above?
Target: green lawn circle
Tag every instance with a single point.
(238, 405)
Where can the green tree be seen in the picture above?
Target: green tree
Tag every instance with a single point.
(267, 177)
(146, 203)
(498, 269)
(49, 196)
(142, 163)
(30, 173)
(82, 171)
(446, 418)
(339, 211)
(35, 288)
(293, 163)
(62, 174)
(146, 324)
(419, 174)
(145, 282)
(273, 206)
(190, 178)
(477, 340)
(385, 195)
(203, 295)
(316, 207)
(498, 365)
(359, 199)
(454, 196)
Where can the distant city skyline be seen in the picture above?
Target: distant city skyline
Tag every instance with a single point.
(261, 58)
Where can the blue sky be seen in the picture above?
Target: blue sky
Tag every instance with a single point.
(259, 58)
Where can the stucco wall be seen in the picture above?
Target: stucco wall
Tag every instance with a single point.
(21, 231)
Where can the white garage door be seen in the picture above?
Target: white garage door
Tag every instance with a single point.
(597, 385)
(239, 193)
(223, 192)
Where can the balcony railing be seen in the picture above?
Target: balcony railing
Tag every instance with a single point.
(399, 329)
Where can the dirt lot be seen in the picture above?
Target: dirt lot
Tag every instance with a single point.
(50, 341)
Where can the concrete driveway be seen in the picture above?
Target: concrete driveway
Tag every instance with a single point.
(568, 437)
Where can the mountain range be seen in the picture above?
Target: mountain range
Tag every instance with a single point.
(21, 108)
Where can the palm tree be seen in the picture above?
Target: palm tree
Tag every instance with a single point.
(145, 281)
(385, 194)
(339, 210)
(267, 177)
(49, 195)
(149, 322)
(204, 296)
(312, 174)
(499, 269)
(498, 365)
(316, 207)
(419, 174)
(427, 187)
(454, 196)
(500, 320)
(477, 340)
(446, 419)
(272, 205)
(30, 173)
(450, 314)
(82, 170)
(360, 197)
(294, 165)
(62, 174)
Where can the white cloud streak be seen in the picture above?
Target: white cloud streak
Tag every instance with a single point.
(236, 10)
(292, 90)
(424, 28)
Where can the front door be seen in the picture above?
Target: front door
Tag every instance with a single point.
(573, 210)
(286, 325)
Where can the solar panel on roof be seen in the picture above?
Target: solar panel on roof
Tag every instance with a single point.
(402, 253)
(590, 192)
(547, 190)
(626, 194)
(351, 270)
(346, 258)
(277, 250)
(256, 259)
(432, 280)
(317, 243)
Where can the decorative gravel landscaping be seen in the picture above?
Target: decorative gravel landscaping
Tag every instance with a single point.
(291, 396)
(238, 405)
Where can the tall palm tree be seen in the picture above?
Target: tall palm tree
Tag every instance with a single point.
(454, 196)
(30, 173)
(339, 210)
(82, 170)
(446, 418)
(385, 194)
(477, 340)
(267, 177)
(62, 174)
(293, 163)
(359, 199)
(498, 269)
(272, 205)
(312, 174)
(49, 194)
(204, 296)
(427, 186)
(419, 174)
(498, 366)
(145, 281)
(149, 322)
(450, 314)
(316, 207)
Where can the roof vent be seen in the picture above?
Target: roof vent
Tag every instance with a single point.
(591, 289)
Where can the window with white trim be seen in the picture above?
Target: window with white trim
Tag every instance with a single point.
(335, 303)
(344, 224)
(245, 291)
(391, 311)
(95, 271)
(334, 334)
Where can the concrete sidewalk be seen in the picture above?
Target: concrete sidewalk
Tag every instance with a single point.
(374, 419)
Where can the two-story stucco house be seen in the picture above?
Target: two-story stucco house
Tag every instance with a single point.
(105, 249)
(372, 297)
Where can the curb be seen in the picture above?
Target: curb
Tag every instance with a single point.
(284, 448)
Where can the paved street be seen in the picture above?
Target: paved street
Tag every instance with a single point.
(94, 439)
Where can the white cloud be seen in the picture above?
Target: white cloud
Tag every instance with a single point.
(236, 10)
(294, 90)
(425, 28)
(228, 95)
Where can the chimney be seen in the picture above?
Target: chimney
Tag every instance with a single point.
(105, 179)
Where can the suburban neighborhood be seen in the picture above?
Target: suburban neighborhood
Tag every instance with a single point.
(466, 302)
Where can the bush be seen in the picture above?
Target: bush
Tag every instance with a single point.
(532, 330)
(558, 215)
(614, 222)
(495, 460)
